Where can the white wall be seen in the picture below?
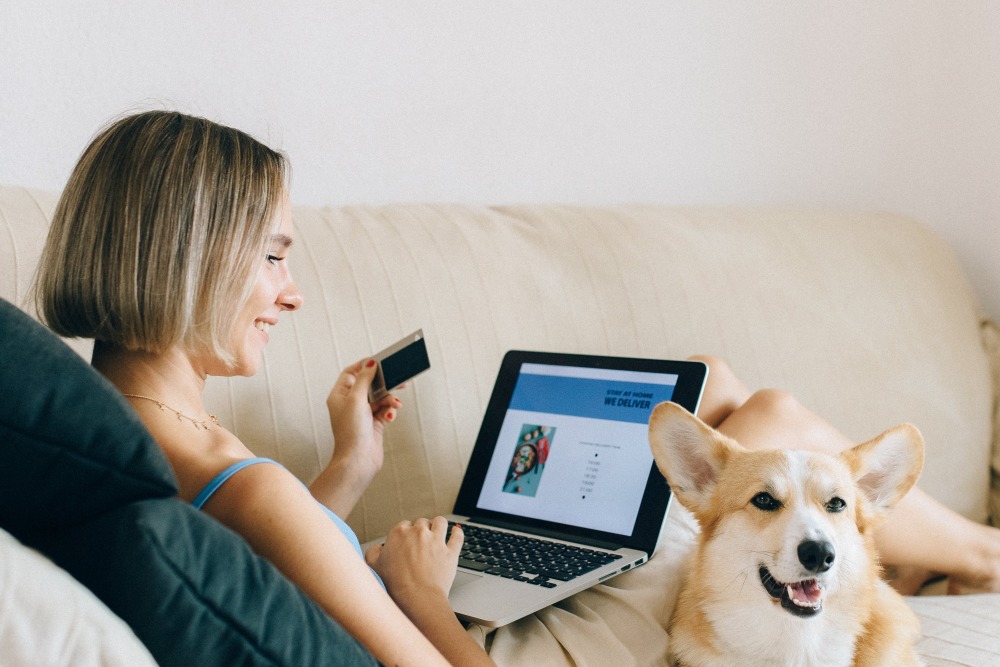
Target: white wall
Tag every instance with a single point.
(892, 105)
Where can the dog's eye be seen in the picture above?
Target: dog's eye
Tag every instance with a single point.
(836, 505)
(765, 501)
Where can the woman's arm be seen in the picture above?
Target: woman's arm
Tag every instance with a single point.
(358, 428)
(282, 522)
(416, 564)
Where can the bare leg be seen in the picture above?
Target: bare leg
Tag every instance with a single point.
(920, 538)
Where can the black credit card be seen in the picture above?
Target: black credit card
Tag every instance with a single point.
(404, 359)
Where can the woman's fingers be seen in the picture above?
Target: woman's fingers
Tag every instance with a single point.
(372, 554)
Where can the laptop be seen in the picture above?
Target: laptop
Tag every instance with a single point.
(561, 491)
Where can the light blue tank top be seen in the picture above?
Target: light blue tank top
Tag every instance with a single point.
(221, 478)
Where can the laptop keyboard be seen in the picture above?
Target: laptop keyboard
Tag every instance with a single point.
(526, 559)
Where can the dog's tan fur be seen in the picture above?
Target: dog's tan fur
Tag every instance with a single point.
(724, 615)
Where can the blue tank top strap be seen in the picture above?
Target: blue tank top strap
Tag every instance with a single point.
(221, 478)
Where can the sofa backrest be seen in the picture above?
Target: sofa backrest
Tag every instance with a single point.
(866, 317)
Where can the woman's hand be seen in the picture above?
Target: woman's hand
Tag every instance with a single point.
(357, 424)
(418, 568)
(358, 428)
(416, 561)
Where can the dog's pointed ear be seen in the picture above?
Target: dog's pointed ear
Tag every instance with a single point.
(886, 467)
(688, 452)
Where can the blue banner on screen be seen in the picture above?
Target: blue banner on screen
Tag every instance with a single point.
(588, 397)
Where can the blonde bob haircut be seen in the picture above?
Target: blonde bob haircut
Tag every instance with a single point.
(160, 233)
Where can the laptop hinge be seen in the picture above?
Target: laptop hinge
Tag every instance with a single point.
(600, 544)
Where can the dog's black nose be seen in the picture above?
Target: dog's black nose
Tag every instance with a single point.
(816, 556)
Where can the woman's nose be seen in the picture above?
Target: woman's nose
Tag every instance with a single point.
(290, 298)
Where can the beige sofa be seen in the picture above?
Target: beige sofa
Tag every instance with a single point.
(866, 317)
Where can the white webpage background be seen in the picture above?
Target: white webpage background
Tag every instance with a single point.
(611, 505)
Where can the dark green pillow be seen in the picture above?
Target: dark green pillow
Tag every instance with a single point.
(193, 591)
(82, 481)
(71, 447)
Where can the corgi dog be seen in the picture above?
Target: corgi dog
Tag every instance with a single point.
(785, 570)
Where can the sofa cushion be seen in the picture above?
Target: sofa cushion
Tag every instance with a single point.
(194, 592)
(958, 629)
(72, 447)
(79, 629)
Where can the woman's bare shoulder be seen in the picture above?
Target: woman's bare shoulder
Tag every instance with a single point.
(199, 456)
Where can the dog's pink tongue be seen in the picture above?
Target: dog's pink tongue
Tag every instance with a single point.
(805, 592)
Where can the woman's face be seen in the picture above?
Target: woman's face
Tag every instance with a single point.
(274, 292)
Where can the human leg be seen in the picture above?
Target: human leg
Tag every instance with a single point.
(920, 537)
(724, 392)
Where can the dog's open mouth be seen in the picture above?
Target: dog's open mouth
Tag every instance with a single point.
(802, 598)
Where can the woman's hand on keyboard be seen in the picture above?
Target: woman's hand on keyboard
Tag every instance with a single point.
(417, 558)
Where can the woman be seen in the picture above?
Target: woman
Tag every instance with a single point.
(170, 248)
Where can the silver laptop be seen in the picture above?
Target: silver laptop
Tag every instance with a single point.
(561, 491)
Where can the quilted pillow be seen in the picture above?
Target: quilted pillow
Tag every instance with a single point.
(194, 592)
(72, 448)
(83, 482)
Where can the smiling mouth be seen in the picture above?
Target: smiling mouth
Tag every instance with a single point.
(802, 598)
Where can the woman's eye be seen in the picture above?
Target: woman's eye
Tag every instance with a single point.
(274, 259)
(765, 501)
(836, 505)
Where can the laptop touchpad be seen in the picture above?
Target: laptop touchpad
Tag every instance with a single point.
(464, 578)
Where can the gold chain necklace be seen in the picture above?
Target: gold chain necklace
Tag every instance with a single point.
(197, 423)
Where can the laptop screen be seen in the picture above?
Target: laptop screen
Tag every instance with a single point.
(574, 446)
(565, 445)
